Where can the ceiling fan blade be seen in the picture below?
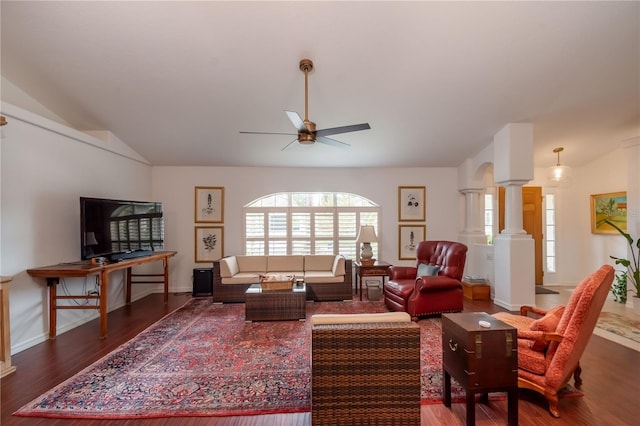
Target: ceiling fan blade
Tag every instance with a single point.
(343, 129)
(332, 142)
(266, 133)
(289, 144)
(297, 121)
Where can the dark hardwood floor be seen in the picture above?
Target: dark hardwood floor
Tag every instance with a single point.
(610, 373)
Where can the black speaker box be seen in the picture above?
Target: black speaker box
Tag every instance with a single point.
(202, 282)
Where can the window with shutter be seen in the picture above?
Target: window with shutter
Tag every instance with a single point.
(308, 223)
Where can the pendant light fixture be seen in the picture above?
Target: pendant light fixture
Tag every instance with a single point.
(559, 175)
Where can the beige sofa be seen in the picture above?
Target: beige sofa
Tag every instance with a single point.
(328, 277)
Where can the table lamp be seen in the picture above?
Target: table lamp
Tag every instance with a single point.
(89, 241)
(366, 236)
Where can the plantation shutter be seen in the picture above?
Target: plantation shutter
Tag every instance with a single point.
(307, 223)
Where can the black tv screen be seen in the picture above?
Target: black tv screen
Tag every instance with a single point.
(109, 227)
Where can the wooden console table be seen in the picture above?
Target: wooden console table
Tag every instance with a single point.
(83, 269)
(5, 329)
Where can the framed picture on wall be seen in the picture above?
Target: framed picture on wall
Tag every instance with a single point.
(611, 207)
(209, 204)
(408, 238)
(411, 203)
(209, 242)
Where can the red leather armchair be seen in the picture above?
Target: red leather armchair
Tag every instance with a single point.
(426, 295)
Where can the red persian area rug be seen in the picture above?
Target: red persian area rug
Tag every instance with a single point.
(205, 360)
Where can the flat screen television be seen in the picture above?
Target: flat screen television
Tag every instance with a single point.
(110, 227)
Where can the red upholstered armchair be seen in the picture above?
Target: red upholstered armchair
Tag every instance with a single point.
(421, 294)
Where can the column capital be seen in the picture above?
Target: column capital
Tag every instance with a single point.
(516, 182)
(471, 190)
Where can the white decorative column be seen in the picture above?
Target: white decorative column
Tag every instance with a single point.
(514, 255)
(473, 211)
(473, 233)
(513, 207)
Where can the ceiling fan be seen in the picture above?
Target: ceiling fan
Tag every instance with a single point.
(307, 133)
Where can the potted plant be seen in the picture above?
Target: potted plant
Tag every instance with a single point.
(632, 265)
(619, 287)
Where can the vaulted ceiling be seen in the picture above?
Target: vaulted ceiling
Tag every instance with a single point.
(177, 81)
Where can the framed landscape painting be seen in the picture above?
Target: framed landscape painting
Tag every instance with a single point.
(411, 203)
(209, 204)
(611, 207)
(209, 243)
(408, 238)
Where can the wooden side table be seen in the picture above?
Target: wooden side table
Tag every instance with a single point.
(476, 291)
(378, 269)
(481, 359)
(5, 329)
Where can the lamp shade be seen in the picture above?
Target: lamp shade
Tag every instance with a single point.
(90, 239)
(367, 234)
(559, 175)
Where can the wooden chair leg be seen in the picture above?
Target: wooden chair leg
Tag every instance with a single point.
(553, 405)
(576, 376)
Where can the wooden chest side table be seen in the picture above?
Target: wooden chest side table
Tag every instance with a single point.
(481, 359)
(476, 291)
(379, 268)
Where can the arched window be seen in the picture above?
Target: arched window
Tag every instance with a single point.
(298, 223)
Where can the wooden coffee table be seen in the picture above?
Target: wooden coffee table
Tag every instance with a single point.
(275, 305)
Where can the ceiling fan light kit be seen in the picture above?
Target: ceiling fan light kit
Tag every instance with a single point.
(307, 133)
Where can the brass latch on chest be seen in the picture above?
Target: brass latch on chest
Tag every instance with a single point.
(509, 343)
(478, 346)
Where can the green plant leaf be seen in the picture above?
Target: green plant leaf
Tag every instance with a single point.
(623, 262)
(633, 265)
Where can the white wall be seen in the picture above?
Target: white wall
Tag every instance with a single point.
(18, 97)
(607, 174)
(45, 168)
(174, 186)
(578, 251)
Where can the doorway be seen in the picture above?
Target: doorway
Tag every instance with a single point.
(531, 222)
